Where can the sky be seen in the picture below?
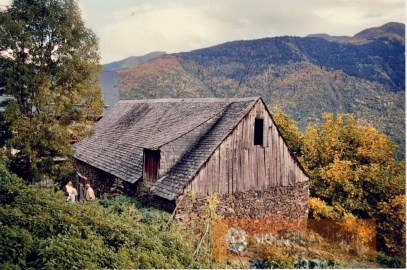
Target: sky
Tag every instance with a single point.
(137, 27)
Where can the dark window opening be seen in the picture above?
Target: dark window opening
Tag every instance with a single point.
(151, 164)
(258, 131)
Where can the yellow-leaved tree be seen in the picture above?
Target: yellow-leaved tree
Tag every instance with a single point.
(351, 166)
(353, 172)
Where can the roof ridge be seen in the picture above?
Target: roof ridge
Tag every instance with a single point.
(210, 99)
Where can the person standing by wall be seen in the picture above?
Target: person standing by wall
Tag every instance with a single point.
(73, 195)
(90, 194)
(69, 189)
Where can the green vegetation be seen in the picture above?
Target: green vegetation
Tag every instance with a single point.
(354, 163)
(50, 65)
(353, 173)
(40, 230)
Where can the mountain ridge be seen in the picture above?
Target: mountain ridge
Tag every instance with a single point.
(303, 76)
(108, 77)
(391, 30)
(131, 61)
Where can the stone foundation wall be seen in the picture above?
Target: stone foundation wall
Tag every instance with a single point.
(103, 182)
(288, 202)
(275, 202)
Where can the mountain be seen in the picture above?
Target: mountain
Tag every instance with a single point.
(342, 39)
(303, 76)
(108, 77)
(391, 30)
(131, 61)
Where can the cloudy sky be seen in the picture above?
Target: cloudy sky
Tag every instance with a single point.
(137, 27)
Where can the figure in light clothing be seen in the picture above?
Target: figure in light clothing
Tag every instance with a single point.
(72, 192)
(69, 189)
(73, 195)
(90, 194)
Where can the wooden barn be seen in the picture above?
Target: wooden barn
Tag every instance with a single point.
(176, 149)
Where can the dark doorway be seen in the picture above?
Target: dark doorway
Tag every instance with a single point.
(151, 164)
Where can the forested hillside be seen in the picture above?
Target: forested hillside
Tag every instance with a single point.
(302, 76)
(108, 76)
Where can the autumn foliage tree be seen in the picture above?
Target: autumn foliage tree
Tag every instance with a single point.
(50, 63)
(289, 130)
(392, 216)
(354, 173)
(352, 167)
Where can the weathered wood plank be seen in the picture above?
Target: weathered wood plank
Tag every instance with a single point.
(204, 188)
(214, 177)
(216, 174)
(277, 155)
(223, 168)
(249, 171)
(245, 133)
(262, 172)
(282, 163)
(250, 131)
(238, 165)
(230, 168)
(267, 158)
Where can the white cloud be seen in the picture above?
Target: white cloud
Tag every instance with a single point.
(354, 16)
(130, 27)
(173, 28)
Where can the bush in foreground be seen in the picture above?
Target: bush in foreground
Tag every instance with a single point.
(40, 230)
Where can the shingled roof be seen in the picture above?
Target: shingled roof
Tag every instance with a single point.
(131, 125)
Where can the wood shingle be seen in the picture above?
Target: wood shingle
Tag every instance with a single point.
(131, 126)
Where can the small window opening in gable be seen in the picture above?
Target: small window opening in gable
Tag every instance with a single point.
(258, 131)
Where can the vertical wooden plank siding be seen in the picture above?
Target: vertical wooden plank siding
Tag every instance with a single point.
(239, 165)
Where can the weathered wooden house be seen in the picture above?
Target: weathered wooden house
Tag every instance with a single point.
(174, 148)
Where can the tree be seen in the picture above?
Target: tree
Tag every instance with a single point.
(289, 130)
(392, 215)
(352, 167)
(51, 67)
(353, 173)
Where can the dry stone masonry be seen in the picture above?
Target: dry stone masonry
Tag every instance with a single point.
(276, 202)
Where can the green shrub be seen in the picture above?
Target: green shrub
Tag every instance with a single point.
(387, 261)
(40, 230)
